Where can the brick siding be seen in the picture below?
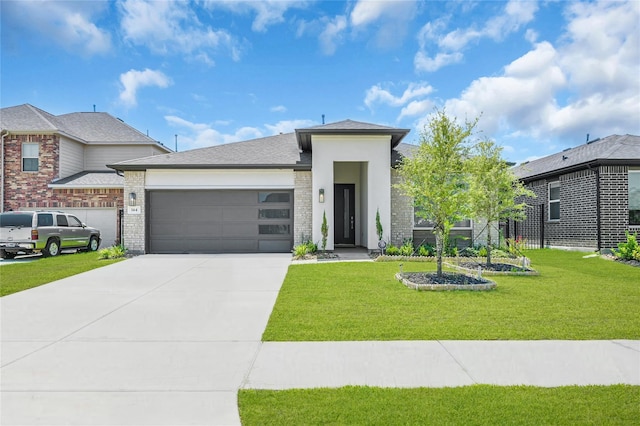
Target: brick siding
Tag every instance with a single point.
(23, 190)
(578, 224)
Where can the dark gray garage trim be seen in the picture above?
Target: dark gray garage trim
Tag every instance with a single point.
(219, 221)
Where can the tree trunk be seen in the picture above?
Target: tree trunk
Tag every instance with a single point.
(488, 244)
(439, 249)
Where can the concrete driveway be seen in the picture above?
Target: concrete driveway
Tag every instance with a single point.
(153, 340)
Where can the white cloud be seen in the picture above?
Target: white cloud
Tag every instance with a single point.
(278, 108)
(390, 16)
(133, 80)
(68, 24)
(424, 63)
(198, 135)
(331, 36)
(168, 27)
(268, 12)
(417, 108)
(378, 95)
(514, 15)
(287, 126)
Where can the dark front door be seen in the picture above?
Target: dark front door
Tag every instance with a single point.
(345, 213)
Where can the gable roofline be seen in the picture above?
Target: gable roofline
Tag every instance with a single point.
(609, 151)
(348, 127)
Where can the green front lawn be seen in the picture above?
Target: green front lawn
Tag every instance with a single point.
(22, 276)
(573, 298)
(470, 405)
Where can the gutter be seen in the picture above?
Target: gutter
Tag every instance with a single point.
(2, 168)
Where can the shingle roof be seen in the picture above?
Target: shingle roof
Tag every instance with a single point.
(87, 127)
(279, 151)
(613, 149)
(89, 179)
(348, 127)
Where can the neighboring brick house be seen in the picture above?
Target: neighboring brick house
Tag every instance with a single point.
(269, 194)
(587, 196)
(59, 162)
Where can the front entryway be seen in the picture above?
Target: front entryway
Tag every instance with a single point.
(344, 213)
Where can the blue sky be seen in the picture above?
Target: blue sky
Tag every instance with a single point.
(541, 75)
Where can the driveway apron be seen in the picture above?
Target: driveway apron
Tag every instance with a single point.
(153, 340)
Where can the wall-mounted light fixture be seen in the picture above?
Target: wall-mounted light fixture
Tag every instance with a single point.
(321, 195)
(132, 198)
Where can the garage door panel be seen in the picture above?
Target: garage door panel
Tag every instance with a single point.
(219, 221)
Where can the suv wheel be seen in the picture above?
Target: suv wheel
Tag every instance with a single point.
(93, 244)
(52, 248)
(6, 255)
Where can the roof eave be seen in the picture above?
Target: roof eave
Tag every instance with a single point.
(581, 166)
(144, 167)
(304, 135)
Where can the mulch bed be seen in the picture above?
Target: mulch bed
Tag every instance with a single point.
(447, 278)
(494, 267)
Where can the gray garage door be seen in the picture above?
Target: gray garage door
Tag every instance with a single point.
(220, 221)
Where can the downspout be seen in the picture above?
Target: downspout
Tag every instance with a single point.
(2, 167)
(598, 219)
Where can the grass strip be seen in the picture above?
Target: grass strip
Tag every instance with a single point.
(18, 277)
(573, 298)
(469, 405)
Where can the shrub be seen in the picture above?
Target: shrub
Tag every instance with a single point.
(515, 246)
(482, 251)
(426, 250)
(470, 252)
(407, 247)
(629, 250)
(300, 250)
(392, 250)
(113, 252)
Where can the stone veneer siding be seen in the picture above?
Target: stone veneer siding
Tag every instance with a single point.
(303, 207)
(135, 224)
(401, 214)
(578, 224)
(24, 190)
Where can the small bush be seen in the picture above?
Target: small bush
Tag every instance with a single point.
(392, 250)
(407, 248)
(300, 250)
(113, 252)
(629, 250)
(425, 250)
(482, 251)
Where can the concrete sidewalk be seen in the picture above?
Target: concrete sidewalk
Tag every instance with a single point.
(404, 364)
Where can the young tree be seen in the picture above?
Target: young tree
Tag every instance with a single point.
(434, 176)
(324, 230)
(493, 188)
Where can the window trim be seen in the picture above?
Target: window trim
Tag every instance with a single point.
(23, 157)
(629, 172)
(554, 184)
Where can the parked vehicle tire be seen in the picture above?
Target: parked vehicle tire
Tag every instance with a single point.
(93, 244)
(6, 255)
(52, 248)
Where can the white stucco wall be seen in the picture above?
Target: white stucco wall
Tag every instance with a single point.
(220, 179)
(374, 154)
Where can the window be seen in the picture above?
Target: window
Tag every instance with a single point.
(634, 197)
(274, 229)
(74, 221)
(419, 222)
(30, 155)
(62, 220)
(273, 214)
(45, 219)
(554, 201)
(273, 197)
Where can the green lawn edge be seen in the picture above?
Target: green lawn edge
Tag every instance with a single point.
(18, 277)
(468, 405)
(573, 298)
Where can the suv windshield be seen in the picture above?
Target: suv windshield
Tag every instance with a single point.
(15, 219)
